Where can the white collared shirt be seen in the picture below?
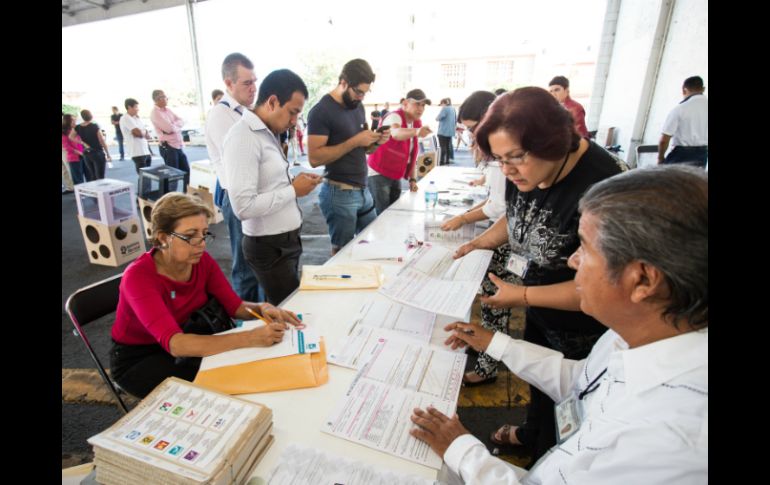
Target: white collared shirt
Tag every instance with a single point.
(688, 123)
(647, 422)
(218, 122)
(494, 209)
(257, 172)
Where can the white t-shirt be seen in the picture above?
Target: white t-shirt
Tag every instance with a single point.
(391, 119)
(135, 146)
(688, 123)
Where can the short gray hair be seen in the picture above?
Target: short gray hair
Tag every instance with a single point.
(231, 63)
(658, 215)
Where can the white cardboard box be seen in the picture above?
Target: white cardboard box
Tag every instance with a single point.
(202, 175)
(112, 245)
(145, 211)
(108, 201)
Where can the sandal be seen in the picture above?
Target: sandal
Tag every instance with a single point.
(506, 431)
(469, 383)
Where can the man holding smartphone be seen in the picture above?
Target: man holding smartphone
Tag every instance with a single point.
(396, 158)
(338, 139)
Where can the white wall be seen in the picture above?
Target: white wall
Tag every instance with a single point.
(685, 55)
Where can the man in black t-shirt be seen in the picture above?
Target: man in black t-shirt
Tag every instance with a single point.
(338, 139)
(115, 118)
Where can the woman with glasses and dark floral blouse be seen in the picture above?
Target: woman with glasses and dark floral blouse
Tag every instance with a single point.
(548, 167)
(163, 287)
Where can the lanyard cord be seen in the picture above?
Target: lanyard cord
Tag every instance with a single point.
(547, 193)
(589, 389)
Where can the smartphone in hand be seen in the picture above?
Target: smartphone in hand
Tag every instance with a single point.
(383, 128)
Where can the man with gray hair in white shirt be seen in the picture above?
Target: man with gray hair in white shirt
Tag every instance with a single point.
(636, 409)
(262, 193)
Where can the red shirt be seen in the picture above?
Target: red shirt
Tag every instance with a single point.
(578, 114)
(152, 307)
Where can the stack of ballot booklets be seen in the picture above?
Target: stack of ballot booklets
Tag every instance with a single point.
(184, 434)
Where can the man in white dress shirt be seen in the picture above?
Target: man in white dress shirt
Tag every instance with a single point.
(241, 84)
(636, 409)
(687, 127)
(135, 135)
(260, 188)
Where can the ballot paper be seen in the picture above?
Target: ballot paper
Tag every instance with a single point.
(398, 377)
(305, 341)
(434, 233)
(300, 465)
(385, 250)
(433, 281)
(380, 318)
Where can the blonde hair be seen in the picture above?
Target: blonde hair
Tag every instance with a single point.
(172, 207)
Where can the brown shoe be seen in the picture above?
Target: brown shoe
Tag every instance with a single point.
(505, 435)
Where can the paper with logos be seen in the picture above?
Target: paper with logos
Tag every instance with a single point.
(379, 318)
(305, 341)
(184, 429)
(397, 377)
(433, 281)
(434, 233)
(300, 465)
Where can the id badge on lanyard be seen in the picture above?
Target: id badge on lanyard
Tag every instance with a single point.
(569, 417)
(517, 265)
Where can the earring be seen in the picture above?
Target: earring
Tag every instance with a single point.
(164, 246)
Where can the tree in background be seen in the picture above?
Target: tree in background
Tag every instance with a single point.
(68, 109)
(320, 74)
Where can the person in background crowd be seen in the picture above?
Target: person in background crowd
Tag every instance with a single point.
(688, 125)
(72, 145)
(168, 126)
(115, 119)
(136, 135)
(216, 95)
(559, 88)
(447, 121)
(95, 147)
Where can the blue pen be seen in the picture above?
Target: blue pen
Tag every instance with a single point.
(330, 276)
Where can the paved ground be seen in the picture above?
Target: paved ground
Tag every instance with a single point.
(86, 404)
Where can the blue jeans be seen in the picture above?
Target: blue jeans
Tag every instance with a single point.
(384, 190)
(245, 282)
(347, 212)
(76, 170)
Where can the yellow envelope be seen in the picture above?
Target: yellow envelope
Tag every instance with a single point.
(341, 277)
(279, 374)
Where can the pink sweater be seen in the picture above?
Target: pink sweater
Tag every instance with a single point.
(152, 306)
(70, 146)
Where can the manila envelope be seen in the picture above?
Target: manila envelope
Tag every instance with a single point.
(279, 374)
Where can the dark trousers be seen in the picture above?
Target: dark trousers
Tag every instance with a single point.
(138, 369)
(275, 261)
(76, 170)
(539, 430)
(175, 157)
(445, 142)
(96, 164)
(385, 191)
(691, 155)
(141, 162)
(119, 138)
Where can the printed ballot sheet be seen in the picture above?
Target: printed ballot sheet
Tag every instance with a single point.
(185, 429)
(299, 465)
(398, 377)
(433, 281)
(380, 318)
(305, 341)
(434, 233)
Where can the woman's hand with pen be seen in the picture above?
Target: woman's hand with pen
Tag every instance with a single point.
(468, 334)
(272, 313)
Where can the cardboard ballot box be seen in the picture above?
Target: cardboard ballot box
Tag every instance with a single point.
(202, 175)
(106, 200)
(155, 182)
(208, 199)
(145, 212)
(112, 245)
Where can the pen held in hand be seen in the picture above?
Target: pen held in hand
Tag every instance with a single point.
(265, 318)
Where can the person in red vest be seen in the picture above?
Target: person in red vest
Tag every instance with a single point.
(395, 159)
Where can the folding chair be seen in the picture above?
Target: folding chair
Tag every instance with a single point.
(648, 161)
(89, 304)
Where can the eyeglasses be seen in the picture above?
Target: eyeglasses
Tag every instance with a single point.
(514, 161)
(194, 240)
(358, 92)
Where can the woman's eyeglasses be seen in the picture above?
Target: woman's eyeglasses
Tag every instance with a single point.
(194, 240)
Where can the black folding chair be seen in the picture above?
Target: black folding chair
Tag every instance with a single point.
(89, 304)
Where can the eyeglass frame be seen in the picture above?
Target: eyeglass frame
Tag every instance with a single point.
(188, 239)
(358, 92)
(521, 160)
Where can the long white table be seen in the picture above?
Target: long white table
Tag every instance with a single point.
(298, 414)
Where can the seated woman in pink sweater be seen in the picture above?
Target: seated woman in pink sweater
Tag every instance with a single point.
(163, 287)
